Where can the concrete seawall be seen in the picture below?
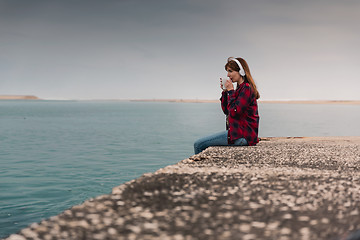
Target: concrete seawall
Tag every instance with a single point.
(283, 188)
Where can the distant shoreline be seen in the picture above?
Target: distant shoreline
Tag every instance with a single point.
(343, 102)
(351, 102)
(174, 100)
(18, 97)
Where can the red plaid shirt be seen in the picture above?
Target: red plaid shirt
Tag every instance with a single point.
(241, 110)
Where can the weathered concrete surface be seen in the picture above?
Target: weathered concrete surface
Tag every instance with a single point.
(298, 188)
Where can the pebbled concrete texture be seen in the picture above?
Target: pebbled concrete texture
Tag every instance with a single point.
(283, 188)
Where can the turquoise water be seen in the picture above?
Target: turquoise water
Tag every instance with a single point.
(55, 154)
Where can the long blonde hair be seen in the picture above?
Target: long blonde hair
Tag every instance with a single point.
(247, 78)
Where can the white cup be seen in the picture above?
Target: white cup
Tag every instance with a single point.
(223, 81)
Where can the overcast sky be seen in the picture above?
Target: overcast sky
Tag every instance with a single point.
(131, 49)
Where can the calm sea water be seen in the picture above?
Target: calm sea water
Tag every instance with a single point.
(56, 154)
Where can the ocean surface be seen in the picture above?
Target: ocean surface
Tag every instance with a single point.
(56, 154)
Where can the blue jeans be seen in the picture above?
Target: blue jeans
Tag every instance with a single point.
(217, 139)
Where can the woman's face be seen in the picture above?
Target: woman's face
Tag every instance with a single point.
(234, 76)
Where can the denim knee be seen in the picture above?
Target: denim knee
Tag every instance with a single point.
(217, 139)
(198, 146)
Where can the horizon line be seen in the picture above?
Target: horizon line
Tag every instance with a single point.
(190, 100)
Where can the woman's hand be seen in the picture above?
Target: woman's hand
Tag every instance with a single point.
(229, 86)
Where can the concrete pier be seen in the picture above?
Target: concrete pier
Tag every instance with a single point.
(283, 188)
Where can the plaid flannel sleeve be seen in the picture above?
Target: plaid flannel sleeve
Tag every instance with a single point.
(224, 102)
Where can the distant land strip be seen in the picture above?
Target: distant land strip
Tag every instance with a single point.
(352, 102)
(18, 97)
(175, 100)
